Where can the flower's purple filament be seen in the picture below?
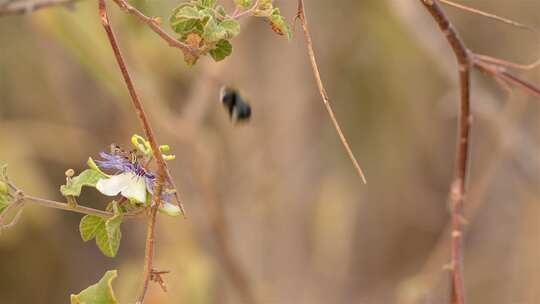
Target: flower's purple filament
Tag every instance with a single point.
(124, 165)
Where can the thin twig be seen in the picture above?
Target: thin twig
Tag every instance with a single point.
(502, 74)
(154, 25)
(66, 207)
(76, 208)
(505, 63)
(301, 14)
(63, 206)
(457, 190)
(24, 7)
(488, 15)
(162, 172)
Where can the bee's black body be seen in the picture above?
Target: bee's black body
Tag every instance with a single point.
(238, 108)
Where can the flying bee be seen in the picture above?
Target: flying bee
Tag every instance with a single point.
(236, 105)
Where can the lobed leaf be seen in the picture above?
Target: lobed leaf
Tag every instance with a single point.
(222, 50)
(90, 225)
(99, 293)
(231, 27)
(108, 237)
(88, 177)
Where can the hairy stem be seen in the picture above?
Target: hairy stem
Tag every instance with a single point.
(311, 53)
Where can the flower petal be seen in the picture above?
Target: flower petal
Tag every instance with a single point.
(114, 185)
(136, 189)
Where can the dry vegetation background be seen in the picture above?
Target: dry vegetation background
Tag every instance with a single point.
(296, 216)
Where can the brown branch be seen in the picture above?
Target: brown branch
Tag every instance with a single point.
(488, 15)
(162, 172)
(301, 14)
(148, 253)
(429, 275)
(24, 7)
(457, 190)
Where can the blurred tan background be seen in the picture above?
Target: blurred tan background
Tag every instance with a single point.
(274, 206)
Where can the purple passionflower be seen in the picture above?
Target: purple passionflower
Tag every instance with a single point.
(132, 181)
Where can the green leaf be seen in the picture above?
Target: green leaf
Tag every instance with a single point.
(222, 50)
(4, 189)
(187, 26)
(208, 3)
(231, 27)
(186, 18)
(87, 178)
(108, 238)
(244, 3)
(90, 225)
(188, 12)
(279, 24)
(213, 31)
(221, 11)
(99, 293)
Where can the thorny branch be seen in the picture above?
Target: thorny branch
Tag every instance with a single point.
(301, 14)
(162, 173)
(495, 67)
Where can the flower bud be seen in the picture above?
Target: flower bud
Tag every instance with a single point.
(164, 148)
(4, 189)
(70, 172)
(170, 209)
